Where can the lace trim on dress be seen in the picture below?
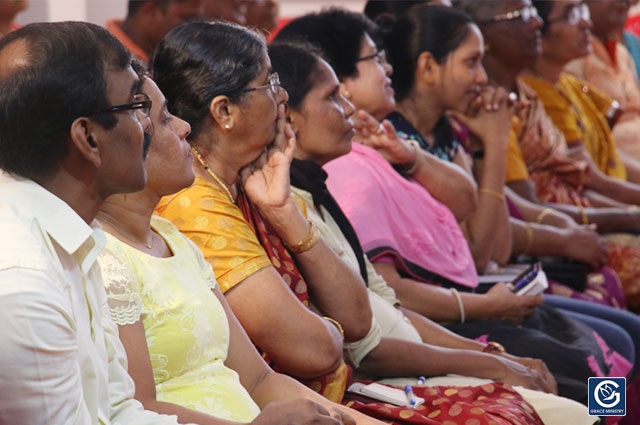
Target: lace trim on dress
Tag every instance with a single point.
(125, 315)
(125, 304)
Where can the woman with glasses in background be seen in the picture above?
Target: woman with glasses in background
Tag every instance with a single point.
(577, 109)
(584, 114)
(610, 67)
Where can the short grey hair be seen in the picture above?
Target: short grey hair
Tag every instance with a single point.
(479, 10)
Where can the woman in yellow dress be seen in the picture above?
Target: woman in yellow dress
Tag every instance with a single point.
(187, 353)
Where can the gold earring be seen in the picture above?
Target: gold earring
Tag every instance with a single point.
(487, 48)
(346, 94)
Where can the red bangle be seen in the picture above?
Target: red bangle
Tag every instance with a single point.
(493, 346)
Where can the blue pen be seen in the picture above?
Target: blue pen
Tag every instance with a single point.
(410, 397)
(421, 380)
(528, 278)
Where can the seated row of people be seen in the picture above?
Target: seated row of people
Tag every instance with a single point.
(189, 212)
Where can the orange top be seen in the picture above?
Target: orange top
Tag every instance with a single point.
(115, 27)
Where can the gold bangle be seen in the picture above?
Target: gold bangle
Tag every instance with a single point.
(337, 325)
(583, 214)
(458, 298)
(311, 238)
(529, 230)
(545, 212)
(492, 193)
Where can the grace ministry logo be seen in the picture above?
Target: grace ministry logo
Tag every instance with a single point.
(607, 396)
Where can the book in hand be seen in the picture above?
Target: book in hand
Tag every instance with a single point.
(385, 394)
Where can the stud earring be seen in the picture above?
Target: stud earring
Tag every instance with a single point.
(227, 127)
(487, 47)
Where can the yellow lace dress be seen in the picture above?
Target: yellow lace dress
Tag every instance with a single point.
(185, 325)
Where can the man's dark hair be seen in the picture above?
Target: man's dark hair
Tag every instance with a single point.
(198, 61)
(337, 32)
(60, 76)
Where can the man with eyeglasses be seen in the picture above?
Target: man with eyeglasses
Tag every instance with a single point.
(71, 135)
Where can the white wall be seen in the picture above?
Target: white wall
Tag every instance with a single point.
(99, 11)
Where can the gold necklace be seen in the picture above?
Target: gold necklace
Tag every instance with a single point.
(148, 245)
(208, 169)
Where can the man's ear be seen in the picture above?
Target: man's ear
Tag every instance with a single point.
(427, 68)
(85, 140)
(224, 113)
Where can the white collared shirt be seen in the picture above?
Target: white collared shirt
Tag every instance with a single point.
(61, 362)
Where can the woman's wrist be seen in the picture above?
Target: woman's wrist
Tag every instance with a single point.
(495, 145)
(288, 222)
(410, 167)
(483, 365)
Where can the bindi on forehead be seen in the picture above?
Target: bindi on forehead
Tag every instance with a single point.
(14, 57)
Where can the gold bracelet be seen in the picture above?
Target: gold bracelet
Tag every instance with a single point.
(492, 193)
(311, 238)
(545, 212)
(529, 230)
(336, 323)
(583, 213)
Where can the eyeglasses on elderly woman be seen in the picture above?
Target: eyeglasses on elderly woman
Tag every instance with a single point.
(573, 14)
(273, 84)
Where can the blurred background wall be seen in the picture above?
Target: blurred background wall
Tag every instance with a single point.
(99, 11)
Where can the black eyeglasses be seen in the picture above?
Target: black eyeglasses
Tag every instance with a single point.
(273, 84)
(525, 15)
(573, 15)
(141, 104)
(380, 56)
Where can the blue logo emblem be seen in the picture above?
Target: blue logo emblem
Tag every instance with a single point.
(607, 396)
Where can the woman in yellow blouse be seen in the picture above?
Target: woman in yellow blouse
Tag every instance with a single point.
(579, 110)
(186, 351)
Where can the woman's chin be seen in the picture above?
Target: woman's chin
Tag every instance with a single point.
(342, 150)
